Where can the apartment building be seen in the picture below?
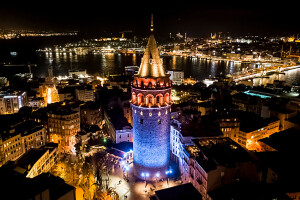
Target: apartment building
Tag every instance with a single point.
(211, 163)
(10, 103)
(63, 125)
(37, 161)
(18, 137)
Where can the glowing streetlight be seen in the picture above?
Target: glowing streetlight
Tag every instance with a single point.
(126, 169)
(156, 176)
(144, 176)
(167, 173)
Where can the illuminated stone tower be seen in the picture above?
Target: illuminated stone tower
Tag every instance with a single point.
(151, 104)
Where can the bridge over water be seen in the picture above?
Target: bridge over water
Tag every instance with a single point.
(262, 72)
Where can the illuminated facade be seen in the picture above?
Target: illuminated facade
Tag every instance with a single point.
(151, 104)
(48, 90)
(62, 128)
(10, 103)
(17, 142)
(49, 93)
(38, 160)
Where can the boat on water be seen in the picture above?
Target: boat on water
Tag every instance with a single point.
(131, 69)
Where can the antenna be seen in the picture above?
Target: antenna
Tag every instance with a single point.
(151, 27)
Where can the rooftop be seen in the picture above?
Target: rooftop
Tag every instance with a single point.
(215, 151)
(286, 140)
(240, 191)
(180, 192)
(250, 121)
(15, 124)
(61, 109)
(117, 118)
(151, 64)
(193, 127)
(285, 166)
(27, 160)
(295, 120)
(16, 186)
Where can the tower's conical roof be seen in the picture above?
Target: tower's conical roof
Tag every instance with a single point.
(151, 65)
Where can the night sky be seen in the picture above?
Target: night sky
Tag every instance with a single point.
(197, 19)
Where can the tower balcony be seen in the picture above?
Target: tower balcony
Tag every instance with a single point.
(150, 105)
(151, 98)
(152, 83)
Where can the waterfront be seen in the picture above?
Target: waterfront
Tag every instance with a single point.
(114, 63)
(104, 64)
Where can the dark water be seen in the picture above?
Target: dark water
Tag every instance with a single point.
(114, 63)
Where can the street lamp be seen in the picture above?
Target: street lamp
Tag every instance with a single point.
(167, 173)
(127, 171)
(156, 176)
(144, 176)
(147, 175)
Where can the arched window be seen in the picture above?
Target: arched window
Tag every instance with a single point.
(133, 98)
(159, 99)
(150, 85)
(140, 99)
(149, 100)
(167, 98)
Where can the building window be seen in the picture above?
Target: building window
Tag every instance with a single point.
(159, 121)
(141, 121)
(222, 174)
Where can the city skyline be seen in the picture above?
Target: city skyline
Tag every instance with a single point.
(193, 18)
(92, 115)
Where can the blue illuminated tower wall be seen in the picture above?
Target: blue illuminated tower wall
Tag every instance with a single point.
(151, 140)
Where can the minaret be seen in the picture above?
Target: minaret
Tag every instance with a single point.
(151, 106)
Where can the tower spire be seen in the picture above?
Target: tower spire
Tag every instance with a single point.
(151, 27)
